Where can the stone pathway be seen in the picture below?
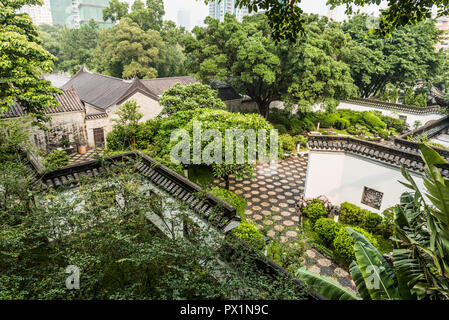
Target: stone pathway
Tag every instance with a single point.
(79, 158)
(271, 198)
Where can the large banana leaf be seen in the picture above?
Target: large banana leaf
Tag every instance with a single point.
(373, 266)
(359, 281)
(326, 286)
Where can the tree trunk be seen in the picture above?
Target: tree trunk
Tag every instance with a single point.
(227, 182)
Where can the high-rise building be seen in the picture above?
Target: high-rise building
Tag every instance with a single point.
(218, 9)
(75, 13)
(39, 14)
(184, 19)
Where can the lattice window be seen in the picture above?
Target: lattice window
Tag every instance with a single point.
(372, 198)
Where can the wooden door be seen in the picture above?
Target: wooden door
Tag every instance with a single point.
(99, 138)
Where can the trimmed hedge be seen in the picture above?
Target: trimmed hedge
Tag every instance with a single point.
(326, 229)
(344, 243)
(314, 211)
(372, 222)
(249, 233)
(287, 143)
(233, 199)
(351, 214)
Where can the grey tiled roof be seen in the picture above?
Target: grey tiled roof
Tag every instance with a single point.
(103, 91)
(212, 209)
(96, 116)
(375, 151)
(394, 106)
(68, 102)
(159, 85)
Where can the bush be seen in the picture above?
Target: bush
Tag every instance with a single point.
(342, 124)
(326, 229)
(387, 226)
(280, 128)
(350, 214)
(56, 159)
(371, 222)
(373, 122)
(327, 120)
(233, 199)
(287, 143)
(278, 116)
(344, 244)
(286, 254)
(301, 140)
(249, 233)
(299, 126)
(314, 211)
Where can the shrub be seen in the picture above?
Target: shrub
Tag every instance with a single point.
(327, 120)
(372, 121)
(314, 211)
(342, 124)
(249, 233)
(286, 254)
(280, 128)
(298, 126)
(344, 244)
(371, 222)
(301, 140)
(387, 226)
(383, 133)
(233, 199)
(326, 229)
(287, 143)
(278, 116)
(56, 159)
(350, 214)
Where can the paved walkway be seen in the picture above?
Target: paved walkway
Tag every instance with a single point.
(79, 158)
(271, 197)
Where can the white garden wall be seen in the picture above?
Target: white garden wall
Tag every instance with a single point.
(342, 177)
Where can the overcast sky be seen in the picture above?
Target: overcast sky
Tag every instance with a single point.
(198, 10)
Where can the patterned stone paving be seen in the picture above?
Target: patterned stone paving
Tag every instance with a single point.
(271, 198)
(79, 158)
(273, 193)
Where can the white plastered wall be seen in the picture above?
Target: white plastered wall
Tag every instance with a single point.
(342, 177)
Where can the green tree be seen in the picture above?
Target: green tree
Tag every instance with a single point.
(288, 21)
(23, 61)
(190, 97)
(115, 11)
(243, 54)
(126, 51)
(128, 113)
(148, 15)
(175, 58)
(78, 47)
(399, 61)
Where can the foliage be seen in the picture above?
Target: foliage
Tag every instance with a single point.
(14, 139)
(280, 128)
(351, 214)
(302, 140)
(396, 61)
(371, 222)
(23, 61)
(56, 159)
(127, 51)
(344, 244)
(326, 229)
(287, 143)
(190, 97)
(233, 199)
(244, 55)
(248, 232)
(314, 211)
(137, 260)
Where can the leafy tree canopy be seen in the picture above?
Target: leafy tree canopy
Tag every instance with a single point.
(23, 61)
(126, 51)
(288, 21)
(244, 55)
(190, 97)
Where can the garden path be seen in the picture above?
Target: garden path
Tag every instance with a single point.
(271, 198)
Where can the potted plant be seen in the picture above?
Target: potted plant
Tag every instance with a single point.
(82, 147)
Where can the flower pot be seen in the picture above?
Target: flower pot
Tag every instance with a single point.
(82, 149)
